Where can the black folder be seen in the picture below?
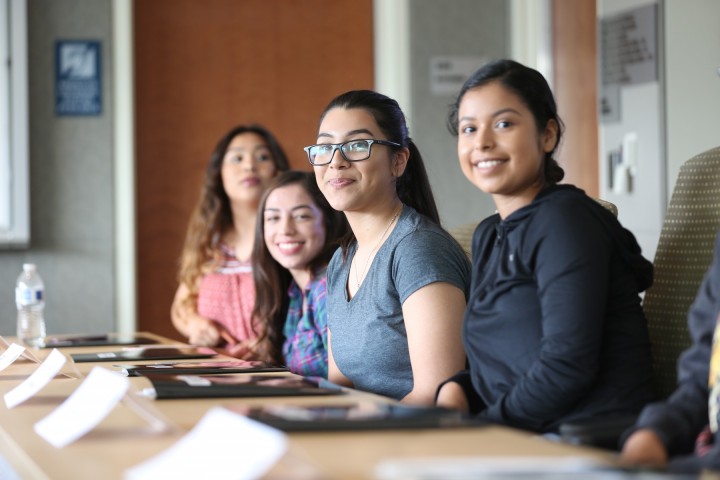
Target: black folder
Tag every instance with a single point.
(152, 353)
(359, 416)
(217, 386)
(200, 368)
(96, 340)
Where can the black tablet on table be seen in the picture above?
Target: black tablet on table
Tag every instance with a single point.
(217, 386)
(359, 416)
(211, 367)
(151, 353)
(96, 340)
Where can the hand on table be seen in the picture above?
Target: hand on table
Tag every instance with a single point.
(208, 333)
(644, 447)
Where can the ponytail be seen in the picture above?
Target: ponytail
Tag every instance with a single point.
(413, 186)
(554, 173)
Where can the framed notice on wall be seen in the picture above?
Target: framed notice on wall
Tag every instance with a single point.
(628, 56)
(78, 86)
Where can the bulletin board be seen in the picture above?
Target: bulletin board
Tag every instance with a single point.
(78, 85)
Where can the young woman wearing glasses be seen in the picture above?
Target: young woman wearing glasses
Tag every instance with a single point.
(216, 295)
(397, 288)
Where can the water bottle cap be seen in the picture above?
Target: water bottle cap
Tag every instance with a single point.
(29, 267)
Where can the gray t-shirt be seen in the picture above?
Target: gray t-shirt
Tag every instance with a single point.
(369, 341)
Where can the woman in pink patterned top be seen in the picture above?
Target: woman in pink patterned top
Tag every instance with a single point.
(214, 301)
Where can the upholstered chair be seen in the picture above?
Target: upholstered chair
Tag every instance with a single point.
(683, 255)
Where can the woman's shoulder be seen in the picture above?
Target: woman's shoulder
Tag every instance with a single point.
(419, 229)
(411, 221)
(565, 215)
(430, 244)
(567, 195)
(568, 205)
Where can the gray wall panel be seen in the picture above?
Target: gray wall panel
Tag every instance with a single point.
(71, 185)
(451, 28)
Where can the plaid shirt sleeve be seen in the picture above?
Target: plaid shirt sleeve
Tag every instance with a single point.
(305, 347)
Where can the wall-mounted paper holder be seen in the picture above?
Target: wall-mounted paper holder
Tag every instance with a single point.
(623, 164)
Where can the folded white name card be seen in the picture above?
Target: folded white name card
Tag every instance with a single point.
(87, 406)
(10, 355)
(225, 443)
(25, 353)
(42, 375)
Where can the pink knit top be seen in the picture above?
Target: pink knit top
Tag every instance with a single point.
(227, 295)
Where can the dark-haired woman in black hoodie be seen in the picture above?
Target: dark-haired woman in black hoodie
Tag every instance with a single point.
(554, 330)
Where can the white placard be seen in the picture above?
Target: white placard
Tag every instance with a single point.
(88, 405)
(448, 73)
(26, 353)
(225, 443)
(10, 355)
(42, 375)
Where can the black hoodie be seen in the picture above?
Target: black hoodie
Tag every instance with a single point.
(554, 330)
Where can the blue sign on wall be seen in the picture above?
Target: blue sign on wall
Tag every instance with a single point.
(78, 86)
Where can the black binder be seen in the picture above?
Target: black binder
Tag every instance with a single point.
(217, 386)
(359, 416)
(153, 353)
(96, 340)
(200, 368)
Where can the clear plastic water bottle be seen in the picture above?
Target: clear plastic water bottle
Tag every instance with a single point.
(30, 302)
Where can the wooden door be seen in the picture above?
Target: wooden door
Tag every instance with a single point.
(575, 86)
(203, 66)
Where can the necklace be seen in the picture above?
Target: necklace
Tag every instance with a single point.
(360, 278)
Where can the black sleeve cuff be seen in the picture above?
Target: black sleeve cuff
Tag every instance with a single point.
(464, 379)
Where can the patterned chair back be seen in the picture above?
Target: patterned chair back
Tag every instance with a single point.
(683, 255)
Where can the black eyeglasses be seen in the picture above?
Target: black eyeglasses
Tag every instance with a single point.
(352, 150)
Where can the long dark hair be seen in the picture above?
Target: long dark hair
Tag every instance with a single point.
(272, 280)
(213, 215)
(413, 186)
(532, 89)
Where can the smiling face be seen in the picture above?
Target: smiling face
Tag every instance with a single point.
(500, 148)
(294, 229)
(357, 186)
(247, 168)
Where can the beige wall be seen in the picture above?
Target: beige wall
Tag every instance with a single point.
(463, 28)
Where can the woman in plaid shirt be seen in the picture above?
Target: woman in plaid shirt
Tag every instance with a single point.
(296, 235)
